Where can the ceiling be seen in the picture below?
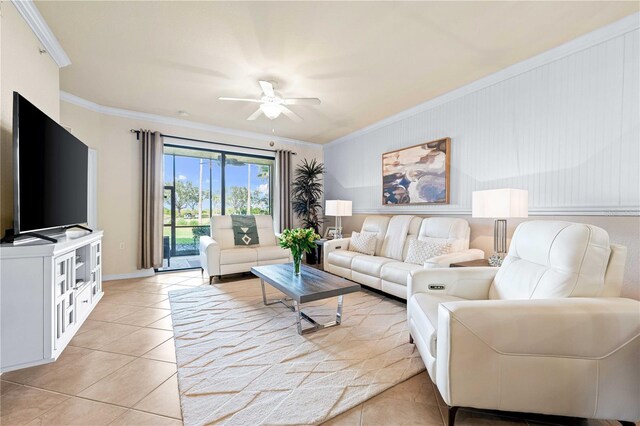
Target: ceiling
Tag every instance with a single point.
(365, 60)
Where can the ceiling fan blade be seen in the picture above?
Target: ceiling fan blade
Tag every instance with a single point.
(255, 115)
(267, 88)
(301, 101)
(292, 115)
(240, 99)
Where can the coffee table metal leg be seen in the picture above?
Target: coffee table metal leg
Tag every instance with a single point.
(274, 301)
(297, 309)
(298, 316)
(339, 311)
(264, 293)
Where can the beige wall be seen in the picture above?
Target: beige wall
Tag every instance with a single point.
(622, 230)
(36, 77)
(119, 174)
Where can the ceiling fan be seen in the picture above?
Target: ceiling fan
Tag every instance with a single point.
(272, 104)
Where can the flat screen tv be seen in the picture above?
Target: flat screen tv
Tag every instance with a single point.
(50, 168)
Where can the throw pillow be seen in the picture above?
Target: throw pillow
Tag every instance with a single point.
(245, 231)
(420, 251)
(363, 242)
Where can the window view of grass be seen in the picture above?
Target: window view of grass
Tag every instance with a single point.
(194, 193)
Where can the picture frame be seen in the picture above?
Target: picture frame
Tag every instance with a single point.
(331, 232)
(418, 174)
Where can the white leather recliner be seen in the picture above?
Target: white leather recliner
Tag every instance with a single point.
(545, 333)
(387, 269)
(220, 256)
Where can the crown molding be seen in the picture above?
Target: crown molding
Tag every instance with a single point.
(600, 35)
(154, 118)
(38, 25)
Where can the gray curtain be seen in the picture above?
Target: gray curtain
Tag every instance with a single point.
(283, 171)
(150, 238)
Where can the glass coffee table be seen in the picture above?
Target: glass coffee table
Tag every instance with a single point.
(311, 285)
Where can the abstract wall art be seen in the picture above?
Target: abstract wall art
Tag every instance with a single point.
(418, 174)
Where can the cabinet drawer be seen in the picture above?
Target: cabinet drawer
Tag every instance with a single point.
(83, 303)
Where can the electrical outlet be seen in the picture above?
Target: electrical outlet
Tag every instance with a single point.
(121, 246)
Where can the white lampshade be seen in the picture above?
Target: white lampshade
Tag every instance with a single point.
(500, 203)
(337, 208)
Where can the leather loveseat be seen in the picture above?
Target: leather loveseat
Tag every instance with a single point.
(387, 270)
(220, 256)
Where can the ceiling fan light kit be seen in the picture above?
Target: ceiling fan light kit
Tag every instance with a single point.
(272, 104)
(271, 110)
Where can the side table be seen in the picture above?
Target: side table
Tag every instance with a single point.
(319, 246)
(471, 263)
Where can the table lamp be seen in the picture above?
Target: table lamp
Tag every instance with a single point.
(338, 208)
(500, 204)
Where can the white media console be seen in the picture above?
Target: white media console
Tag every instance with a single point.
(46, 292)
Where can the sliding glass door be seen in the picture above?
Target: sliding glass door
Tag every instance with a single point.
(202, 183)
(247, 185)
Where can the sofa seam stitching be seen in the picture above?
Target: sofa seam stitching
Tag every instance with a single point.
(582, 262)
(452, 314)
(548, 261)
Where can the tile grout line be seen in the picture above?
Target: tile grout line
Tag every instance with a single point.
(71, 396)
(175, 374)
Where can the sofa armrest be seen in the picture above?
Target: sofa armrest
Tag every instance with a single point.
(332, 245)
(210, 255)
(445, 260)
(571, 326)
(553, 346)
(468, 283)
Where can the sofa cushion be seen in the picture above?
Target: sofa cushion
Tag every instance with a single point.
(421, 250)
(396, 236)
(369, 265)
(424, 308)
(363, 242)
(456, 231)
(238, 255)
(549, 259)
(342, 258)
(222, 231)
(377, 224)
(271, 253)
(398, 272)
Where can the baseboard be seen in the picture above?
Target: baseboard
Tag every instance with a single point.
(138, 274)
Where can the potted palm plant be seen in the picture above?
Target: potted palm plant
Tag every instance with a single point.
(306, 194)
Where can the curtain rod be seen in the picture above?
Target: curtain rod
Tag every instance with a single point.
(137, 132)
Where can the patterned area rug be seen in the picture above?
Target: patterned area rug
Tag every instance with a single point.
(243, 363)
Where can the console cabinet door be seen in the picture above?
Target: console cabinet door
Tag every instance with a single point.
(64, 312)
(96, 267)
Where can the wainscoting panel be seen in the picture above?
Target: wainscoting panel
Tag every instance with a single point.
(568, 131)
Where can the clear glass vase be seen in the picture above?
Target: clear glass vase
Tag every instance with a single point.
(297, 260)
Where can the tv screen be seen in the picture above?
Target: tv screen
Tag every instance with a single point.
(50, 171)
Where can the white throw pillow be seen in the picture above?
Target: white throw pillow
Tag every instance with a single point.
(420, 251)
(363, 242)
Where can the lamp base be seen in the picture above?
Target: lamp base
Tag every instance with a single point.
(496, 259)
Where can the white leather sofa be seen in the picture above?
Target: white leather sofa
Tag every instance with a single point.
(220, 256)
(387, 269)
(545, 333)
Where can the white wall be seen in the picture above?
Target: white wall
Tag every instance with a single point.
(568, 131)
(35, 76)
(564, 125)
(119, 173)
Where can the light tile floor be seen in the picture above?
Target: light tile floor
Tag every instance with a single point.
(120, 370)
